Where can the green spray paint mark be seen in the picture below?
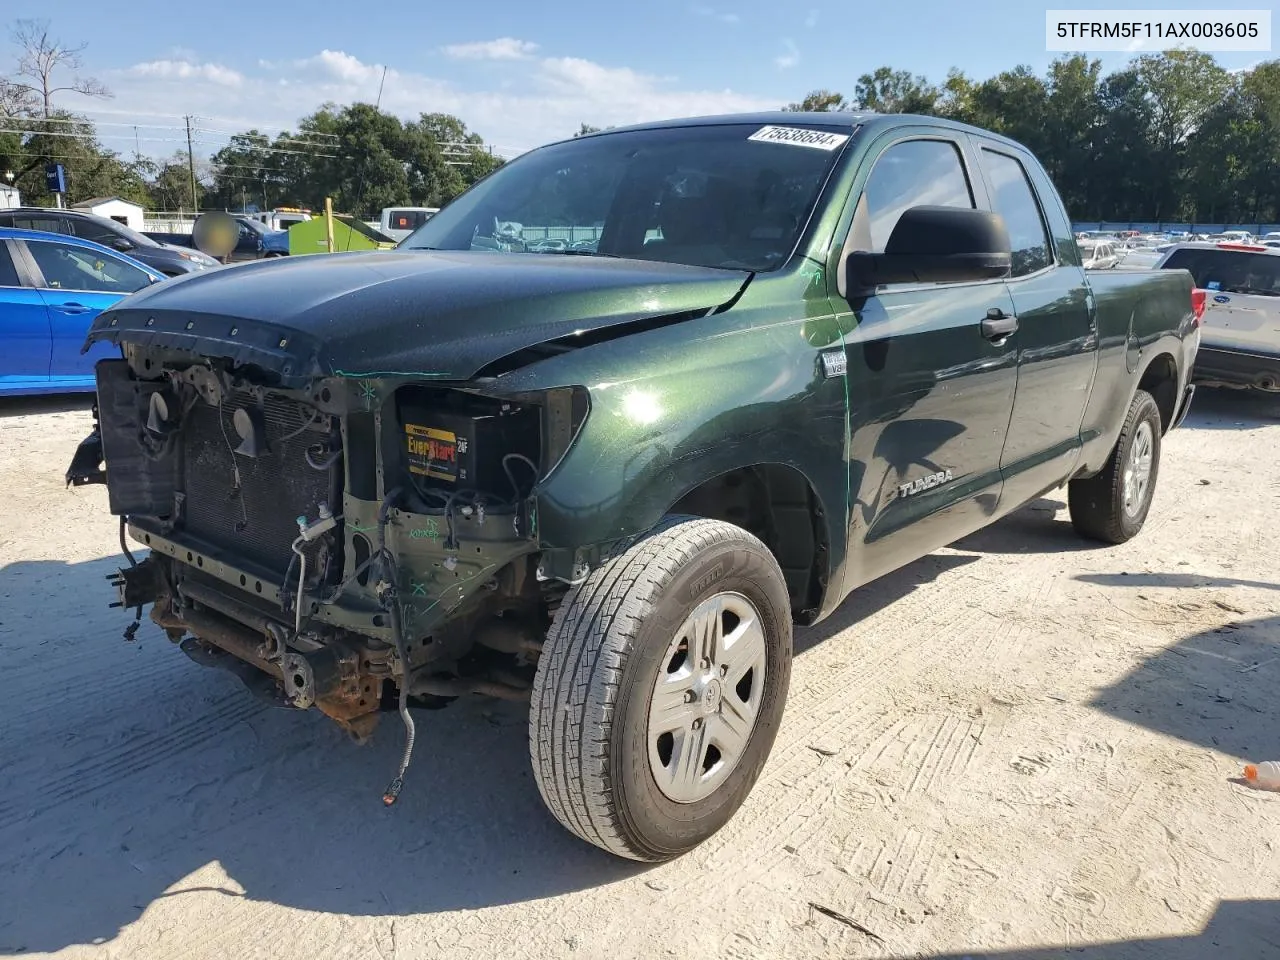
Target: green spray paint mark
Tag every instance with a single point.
(364, 374)
(356, 527)
(419, 589)
(429, 532)
(368, 393)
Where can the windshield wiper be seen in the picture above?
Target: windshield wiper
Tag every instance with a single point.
(578, 253)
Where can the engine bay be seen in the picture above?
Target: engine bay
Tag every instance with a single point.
(350, 546)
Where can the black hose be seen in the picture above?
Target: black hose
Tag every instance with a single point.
(131, 631)
(124, 546)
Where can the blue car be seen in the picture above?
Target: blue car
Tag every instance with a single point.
(51, 288)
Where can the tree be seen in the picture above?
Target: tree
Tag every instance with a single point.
(91, 169)
(585, 129)
(819, 101)
(1071, 120)
(1182, 87)
(40, 57)
(895, 91)
(170, 186)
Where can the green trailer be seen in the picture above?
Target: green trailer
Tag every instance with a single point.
(312, 236)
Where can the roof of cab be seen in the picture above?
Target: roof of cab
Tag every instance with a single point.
(850, 120)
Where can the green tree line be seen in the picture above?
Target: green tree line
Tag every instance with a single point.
(1170, 136)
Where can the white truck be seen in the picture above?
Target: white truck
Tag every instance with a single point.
(398, 222)
(281, 218)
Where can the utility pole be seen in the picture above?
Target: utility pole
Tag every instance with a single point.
(191, 168)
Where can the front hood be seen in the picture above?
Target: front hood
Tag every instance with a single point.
(439, 314)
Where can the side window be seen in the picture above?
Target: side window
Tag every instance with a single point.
(89, 230)
(8, 273)
(1014, 200)
(66, 267)
(47, 224)
(909, 174)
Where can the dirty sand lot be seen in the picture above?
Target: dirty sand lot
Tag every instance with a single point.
(1021, 746)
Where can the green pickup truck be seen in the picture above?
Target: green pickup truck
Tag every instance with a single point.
(802, 350)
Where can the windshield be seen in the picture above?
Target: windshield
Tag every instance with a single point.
(255, 227)
(734, 196)
(1232, 271)
(1088, 250)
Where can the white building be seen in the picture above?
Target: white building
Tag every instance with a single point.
(9, 198)
(113, 208)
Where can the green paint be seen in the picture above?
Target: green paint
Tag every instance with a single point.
(365, 374)
(419, 589)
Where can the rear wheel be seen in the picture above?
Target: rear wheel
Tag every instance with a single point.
(660, 689)
(1113, 506)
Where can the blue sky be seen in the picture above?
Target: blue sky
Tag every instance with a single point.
(520, 72)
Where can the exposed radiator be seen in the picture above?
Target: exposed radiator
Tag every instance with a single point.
(258, 522)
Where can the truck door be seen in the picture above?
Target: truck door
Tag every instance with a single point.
(1057, 338)
(929, 395)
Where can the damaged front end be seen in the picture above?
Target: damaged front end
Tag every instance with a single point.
(349, 544)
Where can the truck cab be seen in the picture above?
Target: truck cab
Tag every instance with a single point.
(801, 351)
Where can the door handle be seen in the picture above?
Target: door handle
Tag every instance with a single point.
(71, 308)
(998, 325)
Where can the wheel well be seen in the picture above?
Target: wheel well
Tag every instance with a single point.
(1160, 379)
(777, 504)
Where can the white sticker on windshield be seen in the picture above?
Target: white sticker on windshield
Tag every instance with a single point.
(817, 139)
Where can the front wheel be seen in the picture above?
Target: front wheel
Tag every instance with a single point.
(1112, 506)
(661, 688)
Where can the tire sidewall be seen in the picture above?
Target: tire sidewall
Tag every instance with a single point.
(655, 823)
(1144, 411)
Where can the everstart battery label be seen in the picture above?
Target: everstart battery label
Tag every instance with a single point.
(432, 452)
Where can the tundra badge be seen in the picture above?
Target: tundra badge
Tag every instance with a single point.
(924, 483)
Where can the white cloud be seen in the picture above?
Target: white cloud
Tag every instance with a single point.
(787, 60)
(504, 48)
(811, 20)
(186, 70)
(702, 10)
(522, 105)
(339, 66)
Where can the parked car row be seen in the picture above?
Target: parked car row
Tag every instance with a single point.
(165, 258)
(255, 241)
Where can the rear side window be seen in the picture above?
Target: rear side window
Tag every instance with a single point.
(90, 230)
(909, 174)
(406, 219)
(8, 274)
(1014, 200)
(47, 224)
(1232, 271)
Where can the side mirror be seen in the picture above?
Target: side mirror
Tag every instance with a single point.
(121, 244)
(935, 245)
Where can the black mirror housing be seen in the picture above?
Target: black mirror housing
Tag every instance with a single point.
(936, 245)
(121, 244)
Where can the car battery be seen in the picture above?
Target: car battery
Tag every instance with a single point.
(458, 442)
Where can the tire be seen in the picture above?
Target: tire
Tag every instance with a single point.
(1107, 507)
(612, 639)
